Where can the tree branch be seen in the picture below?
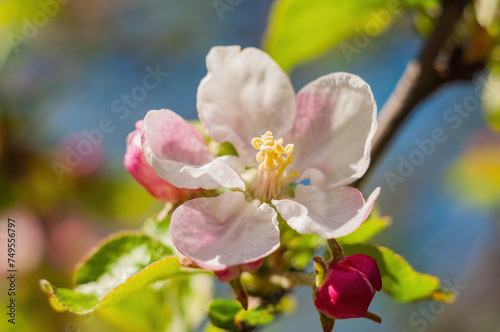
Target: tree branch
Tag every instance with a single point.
(420, 79)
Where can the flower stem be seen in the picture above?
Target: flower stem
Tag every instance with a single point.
(240, 292)
(336, 251)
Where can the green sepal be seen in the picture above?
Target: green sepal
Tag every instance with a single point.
(326, 323)
(319, 270)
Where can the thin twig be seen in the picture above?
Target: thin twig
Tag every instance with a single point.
(420, 79)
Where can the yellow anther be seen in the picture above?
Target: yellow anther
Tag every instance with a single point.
(260, 157)
(271, 153)
(281, 149)
(273, 158)
(268, 162)
(257, 142)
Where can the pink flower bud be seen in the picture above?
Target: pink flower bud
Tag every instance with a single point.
(233, 272)
(348, 287)
(136, 164)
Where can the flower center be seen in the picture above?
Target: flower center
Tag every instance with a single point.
(273, 158)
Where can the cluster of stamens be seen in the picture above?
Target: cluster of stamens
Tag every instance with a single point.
(273, 158)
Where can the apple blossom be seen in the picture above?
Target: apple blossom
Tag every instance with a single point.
(348, 287)
(137, 165)
(295, 156)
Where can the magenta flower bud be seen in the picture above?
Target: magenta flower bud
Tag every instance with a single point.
(348, 287)
(137, 165)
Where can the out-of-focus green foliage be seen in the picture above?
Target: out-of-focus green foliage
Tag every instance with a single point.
(299, 30)
(222, 313)
(475, 175)
(230, 315)
(398, 278)
(123, 264)
(300, 249)
(119, 192)
(366, 231)
(424, 22)
(491, 99)
(15, 22)
(255, 317)
(12, 11)
(212, 328)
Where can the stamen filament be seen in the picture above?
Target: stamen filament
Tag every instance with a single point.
(273, 158)
(286, 178)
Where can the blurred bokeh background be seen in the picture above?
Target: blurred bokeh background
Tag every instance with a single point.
(83, 68)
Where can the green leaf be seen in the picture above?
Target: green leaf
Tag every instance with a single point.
(222, 313)
(212, 328)
(173, 305)
(443, 296)
(299, 30)
(121, 264)
(141, 311)
(366, 231)
(398, 278)
(255, 317)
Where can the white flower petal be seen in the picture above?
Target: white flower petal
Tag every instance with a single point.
(141, 170)
(234, 162)
(224, 231)
(330, 214)
(244, 94)
(213, 175)
(335, 123)
(179, 154)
